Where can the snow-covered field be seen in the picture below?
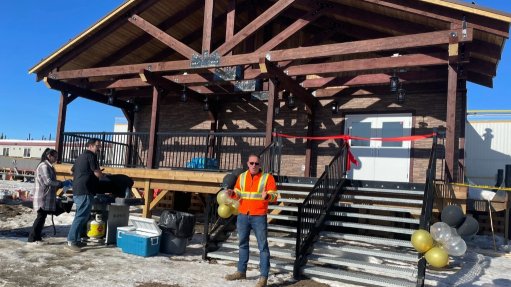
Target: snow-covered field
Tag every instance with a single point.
(23, 264)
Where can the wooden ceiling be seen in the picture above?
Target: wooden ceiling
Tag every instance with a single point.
(318, 44)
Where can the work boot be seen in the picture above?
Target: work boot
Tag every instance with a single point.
(73, 247)
(261, 282)
(236, 276)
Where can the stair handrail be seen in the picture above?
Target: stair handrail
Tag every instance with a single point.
(427, 205)
(270, 157)
(313, 212)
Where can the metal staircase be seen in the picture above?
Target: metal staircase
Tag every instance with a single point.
(343, 230)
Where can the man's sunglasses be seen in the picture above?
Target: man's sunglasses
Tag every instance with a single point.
(253, 163)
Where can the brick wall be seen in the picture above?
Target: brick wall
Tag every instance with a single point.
(428, 111)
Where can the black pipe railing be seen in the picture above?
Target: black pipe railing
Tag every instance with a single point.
(270, 157)
(314, 210)
(186, 150)
(427, 206)
(117, 149)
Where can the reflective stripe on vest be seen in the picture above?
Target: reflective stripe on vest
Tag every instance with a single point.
(260, 188)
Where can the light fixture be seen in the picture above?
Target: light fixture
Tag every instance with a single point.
(394, 83)
(277, 110)
(110, 100)
(291, 102)
(136, 108)
(205, 107)
(335, 107)
(183, 97)
(401, 93)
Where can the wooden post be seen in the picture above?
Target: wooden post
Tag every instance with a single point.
(452, 93)
(208, 23)
(270, 113)
(151, 153)
(308, 149)
(148, 198)
(61, 123)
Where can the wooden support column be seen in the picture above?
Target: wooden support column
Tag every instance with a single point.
(270, 113)
(451, 145)
(148, 198)
(61, 124)
(130, 117)
(308, 149)
(208, 23)
(151, 154)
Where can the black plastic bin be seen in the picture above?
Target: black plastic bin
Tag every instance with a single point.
(177, 227)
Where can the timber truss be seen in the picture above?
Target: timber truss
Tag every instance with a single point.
(147, 52)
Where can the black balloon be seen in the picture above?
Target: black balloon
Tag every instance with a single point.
(229, 181)
(468, 227)
(452, 215)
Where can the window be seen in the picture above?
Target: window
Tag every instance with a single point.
(5, 151)
(26, 152)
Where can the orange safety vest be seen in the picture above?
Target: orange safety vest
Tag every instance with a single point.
(249, 190)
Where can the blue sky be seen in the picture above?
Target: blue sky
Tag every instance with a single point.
(32, 30)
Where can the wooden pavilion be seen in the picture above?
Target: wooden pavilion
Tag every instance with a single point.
(298, 67)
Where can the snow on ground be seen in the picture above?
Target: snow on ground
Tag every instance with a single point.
(24, 264)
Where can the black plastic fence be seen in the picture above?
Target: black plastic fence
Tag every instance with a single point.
(192, 150)
(317, 205)
(427, 207)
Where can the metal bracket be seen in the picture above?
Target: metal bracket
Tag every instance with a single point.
(247, 85)
(205, 60)
(261, 96)
(228, 73)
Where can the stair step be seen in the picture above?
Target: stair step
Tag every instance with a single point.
(385, 190)
(367, 239)
(275, 251)
(277, 264)
(283, 217)
(290, 200)
(369, 267)
(381, 199)
(273, 239)
(370, 227)
(416, 211)
(283, 207)
(326, 248)
(374, 217)
(294, 192)
(274, 227)
(356, 277)
(300, 185)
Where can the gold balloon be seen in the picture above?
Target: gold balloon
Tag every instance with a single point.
(222, 197)
(234, 209)
(422, 240)
(224, 211)
(437, 257)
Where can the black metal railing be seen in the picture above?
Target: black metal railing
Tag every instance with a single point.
(314, 210)
(201, 150)
(207, 150)
(216, 229)
(117, 149)
(427, 206)
(270, 157)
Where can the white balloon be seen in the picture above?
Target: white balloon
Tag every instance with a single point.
(456, 246)
(441, 232)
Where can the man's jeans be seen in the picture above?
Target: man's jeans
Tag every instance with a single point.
(260, 226)
(83, 208)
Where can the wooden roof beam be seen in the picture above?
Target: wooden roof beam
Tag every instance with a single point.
(163, 37)
(288, 83)
(166, 84)
(492, 26)
(253, 26)
(357, 47)
(87, 94)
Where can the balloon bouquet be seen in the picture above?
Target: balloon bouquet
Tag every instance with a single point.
(444, 238)
(226, 205)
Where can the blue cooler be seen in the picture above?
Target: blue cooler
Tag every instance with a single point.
(142, 238)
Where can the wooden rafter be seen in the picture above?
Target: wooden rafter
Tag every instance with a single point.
(288, 83)
(163, 37)
(85, 93)
(262, 19)
(357, 47)
(207, 26)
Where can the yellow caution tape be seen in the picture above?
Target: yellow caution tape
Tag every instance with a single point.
(483, 186)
